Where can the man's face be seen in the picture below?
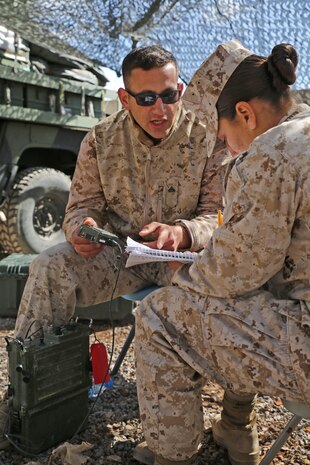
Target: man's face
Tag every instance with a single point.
(156, 119)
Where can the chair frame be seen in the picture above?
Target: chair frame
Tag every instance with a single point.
(300, 412)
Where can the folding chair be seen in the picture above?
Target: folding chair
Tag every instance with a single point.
(300, 411)
(134, 297)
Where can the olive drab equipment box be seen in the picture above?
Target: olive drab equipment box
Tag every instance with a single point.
(49, 381)
(14, 271)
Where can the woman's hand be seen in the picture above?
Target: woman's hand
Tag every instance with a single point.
(174, 266)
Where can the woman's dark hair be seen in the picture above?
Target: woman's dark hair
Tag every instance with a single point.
(260, 77)
(148, 57)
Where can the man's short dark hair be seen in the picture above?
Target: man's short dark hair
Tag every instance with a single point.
(148, 57)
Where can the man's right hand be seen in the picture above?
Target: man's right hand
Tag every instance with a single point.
(168, 237)
(84, 247)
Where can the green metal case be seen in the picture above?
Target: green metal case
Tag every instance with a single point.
(49, 385)
(14, 271)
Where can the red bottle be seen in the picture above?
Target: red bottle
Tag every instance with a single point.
(100, 365)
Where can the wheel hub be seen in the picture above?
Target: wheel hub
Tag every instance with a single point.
(47, 217)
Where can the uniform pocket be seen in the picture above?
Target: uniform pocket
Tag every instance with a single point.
(248, 345)
(171, 192)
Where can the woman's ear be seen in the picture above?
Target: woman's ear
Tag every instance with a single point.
(123, 96)
(246, 114)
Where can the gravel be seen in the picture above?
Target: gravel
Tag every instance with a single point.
(114, 427)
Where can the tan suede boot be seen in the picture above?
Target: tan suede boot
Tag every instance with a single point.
(235, 429)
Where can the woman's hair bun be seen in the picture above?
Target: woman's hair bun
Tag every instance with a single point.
(282, 63)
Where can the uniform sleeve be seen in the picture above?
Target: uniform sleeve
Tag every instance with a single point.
(250, 247)
(202, 226)
(86, 196)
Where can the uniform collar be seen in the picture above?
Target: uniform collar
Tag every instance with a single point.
(295, 109)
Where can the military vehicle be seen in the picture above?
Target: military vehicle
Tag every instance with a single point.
(48, 102)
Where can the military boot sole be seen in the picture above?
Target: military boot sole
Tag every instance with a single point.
(142, 454)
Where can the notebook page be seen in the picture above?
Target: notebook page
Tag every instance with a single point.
(140, 253)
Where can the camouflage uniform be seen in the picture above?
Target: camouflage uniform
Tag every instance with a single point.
(124, 181)
(240, 314)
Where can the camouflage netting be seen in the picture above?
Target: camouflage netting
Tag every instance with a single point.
(105, 30)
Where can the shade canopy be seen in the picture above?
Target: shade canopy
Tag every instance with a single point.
(104, 31)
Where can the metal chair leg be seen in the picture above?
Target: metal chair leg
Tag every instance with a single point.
(134, 297)
(282, 438)
(124, 350)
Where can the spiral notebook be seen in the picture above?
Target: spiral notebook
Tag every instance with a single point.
(139, 253)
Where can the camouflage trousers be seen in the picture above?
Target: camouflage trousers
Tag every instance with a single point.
(60, 280)
(248, 345)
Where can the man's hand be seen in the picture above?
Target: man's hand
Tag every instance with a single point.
(168, 237)
(84, 247)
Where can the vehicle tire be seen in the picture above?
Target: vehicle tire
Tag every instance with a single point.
(35, 211)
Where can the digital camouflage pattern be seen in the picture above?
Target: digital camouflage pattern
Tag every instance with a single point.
(264, 234)
(123, 181)
(60, 280)
(240, 313)
(208, 81)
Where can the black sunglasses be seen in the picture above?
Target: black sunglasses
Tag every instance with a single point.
(146, 99)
